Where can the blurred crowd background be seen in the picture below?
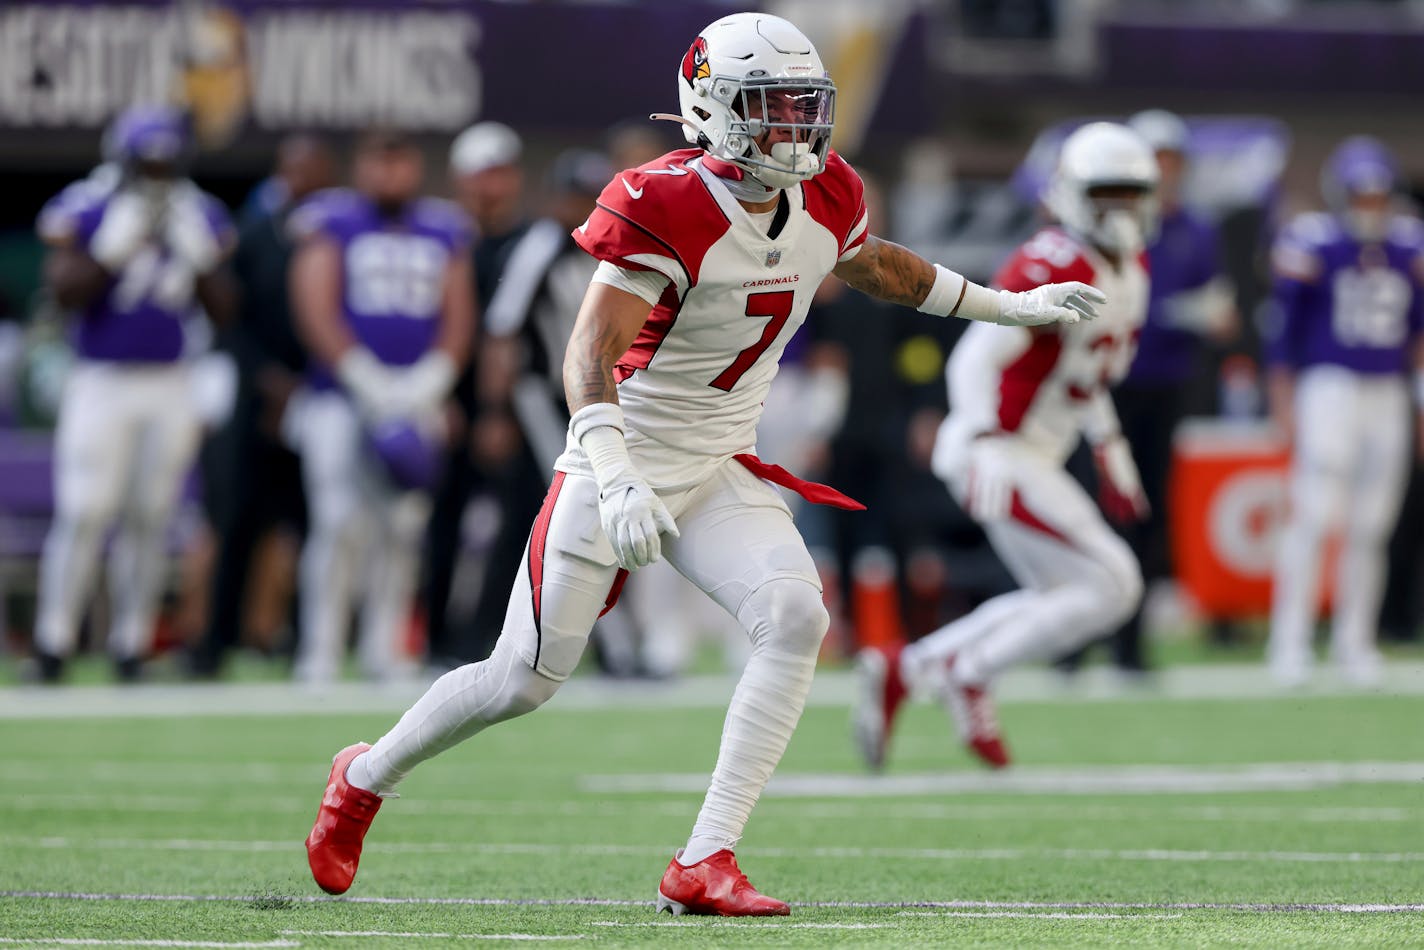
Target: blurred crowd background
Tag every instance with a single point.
(521, 112)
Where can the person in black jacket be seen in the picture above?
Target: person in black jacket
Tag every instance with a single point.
(488, 183)
(262, 487)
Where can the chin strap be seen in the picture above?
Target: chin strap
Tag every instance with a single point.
(739, 181)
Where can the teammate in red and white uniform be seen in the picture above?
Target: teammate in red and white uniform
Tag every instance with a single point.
(1019, 400)
(708, 257)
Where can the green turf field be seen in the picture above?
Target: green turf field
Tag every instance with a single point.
(1132, 820)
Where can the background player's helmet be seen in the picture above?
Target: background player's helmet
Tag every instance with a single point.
(1099, 156)
(1361, 167)
(148, 135)
(749, 74)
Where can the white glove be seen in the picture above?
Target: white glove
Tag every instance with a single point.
(1051, 303)
(1119, 485)
(122, 232)
(187, 232)
(632, 514)
(989, 486)
(370, 383)
(421, 387)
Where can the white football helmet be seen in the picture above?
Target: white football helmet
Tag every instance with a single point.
(1116, 162)
(754, 93)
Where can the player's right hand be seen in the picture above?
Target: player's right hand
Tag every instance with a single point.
(1050, 303)
(989, 488)
(121, 232)
(634, 518)
(370, 384)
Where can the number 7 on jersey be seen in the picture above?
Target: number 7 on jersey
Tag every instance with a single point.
(774, 304)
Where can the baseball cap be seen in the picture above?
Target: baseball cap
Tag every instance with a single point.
(484, 145)
(1164, 131)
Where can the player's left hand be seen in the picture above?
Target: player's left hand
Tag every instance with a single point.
(1119, 485)
(1050, 303)
(421, 387)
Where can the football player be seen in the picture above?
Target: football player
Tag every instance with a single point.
(136, 251)
(384, 299)
(1020, 399)
(1348, 290)
(708, 260)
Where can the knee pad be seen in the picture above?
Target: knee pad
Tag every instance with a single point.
(1118, 584)
(504, 686)
(786, 614)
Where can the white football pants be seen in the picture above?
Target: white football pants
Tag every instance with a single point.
(1079, 581)
(126, 438)
(1349, 473)
(738, 545)
(363, 542)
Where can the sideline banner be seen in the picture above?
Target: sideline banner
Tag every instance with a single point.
(424, 65)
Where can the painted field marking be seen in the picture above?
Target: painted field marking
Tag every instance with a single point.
(849, 808)
(97, 942)
(762, 923)
(832, 688)
(418, 935)
(1044, 915)
(1098, 780)
(1258, 908)
(832, 853)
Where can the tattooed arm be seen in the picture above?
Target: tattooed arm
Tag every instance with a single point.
(899, 275)
(633, 516)
(608, 322)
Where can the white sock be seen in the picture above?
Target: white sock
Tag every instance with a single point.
(359, 776)
(700, 848)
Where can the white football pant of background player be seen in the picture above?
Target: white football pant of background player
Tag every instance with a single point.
(364, 539)
(127, 436)
(1349, 474)
(1075, 586)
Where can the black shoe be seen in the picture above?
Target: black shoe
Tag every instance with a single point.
(128, 669)
(47, 669)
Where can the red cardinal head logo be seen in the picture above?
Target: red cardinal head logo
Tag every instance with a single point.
(694, 64)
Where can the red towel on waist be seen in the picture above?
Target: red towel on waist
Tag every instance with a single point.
(814, 492)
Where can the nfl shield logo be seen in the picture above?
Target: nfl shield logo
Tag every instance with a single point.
(773, 257)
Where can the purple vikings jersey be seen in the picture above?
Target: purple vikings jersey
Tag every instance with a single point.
(1344, 303)
(1182, 258)
(140, 317)
(393, 269)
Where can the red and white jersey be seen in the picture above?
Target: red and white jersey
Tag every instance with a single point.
(1045, 385)
(692, 384)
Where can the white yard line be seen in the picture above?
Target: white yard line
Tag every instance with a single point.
(1255, 908)
(97, 942)
(848, 809)
(1045, 780)
(833, 687)
(1028, 914)
(422, 935)
(200, 845)
(745, 923)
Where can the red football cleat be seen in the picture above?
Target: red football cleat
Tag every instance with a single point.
(973, 710)
(882, 692)
(714, 885)
(334, 845)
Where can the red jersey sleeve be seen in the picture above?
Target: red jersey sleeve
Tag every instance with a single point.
(836, 200)
(1049, 257)
(659, 216)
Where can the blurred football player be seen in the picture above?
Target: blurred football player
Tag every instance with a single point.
(136, 250)
(1348, 290)
(384, 299)
(1020, 399)
(709, 257)
(1191, 302)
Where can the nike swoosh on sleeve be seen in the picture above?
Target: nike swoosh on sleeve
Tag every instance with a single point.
(634, 193)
